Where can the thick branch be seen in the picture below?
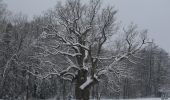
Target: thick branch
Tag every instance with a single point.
(87, 83)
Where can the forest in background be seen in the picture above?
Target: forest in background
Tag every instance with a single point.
(39, 58)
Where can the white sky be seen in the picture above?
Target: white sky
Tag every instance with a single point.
(153, 15)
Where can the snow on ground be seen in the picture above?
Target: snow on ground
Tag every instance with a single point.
(142, 99)
(128, 99)
(137, 99)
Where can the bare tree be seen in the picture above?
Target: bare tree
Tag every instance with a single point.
(76, 35)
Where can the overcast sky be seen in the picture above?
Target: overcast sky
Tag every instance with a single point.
(153, 15)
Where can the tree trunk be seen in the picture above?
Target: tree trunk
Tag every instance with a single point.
(82, 94)
(1, 88)
(64, 90)
(80, 79)
(27, 92)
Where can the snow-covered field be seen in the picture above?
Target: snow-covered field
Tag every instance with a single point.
(137, 99)
(143, 99)
(128, 99)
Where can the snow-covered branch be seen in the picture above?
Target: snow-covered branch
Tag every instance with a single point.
(87, 83)
(104, 58)
(71, 64)
(66, 70)
(57, 52)
(8, 64)
(62, 74)
(77, 45)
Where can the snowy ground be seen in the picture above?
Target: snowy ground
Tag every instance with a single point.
(128, 99)
(145, 99)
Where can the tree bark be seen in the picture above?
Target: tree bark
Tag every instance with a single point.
(80, 79)
(82, 94)
(1, 88)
